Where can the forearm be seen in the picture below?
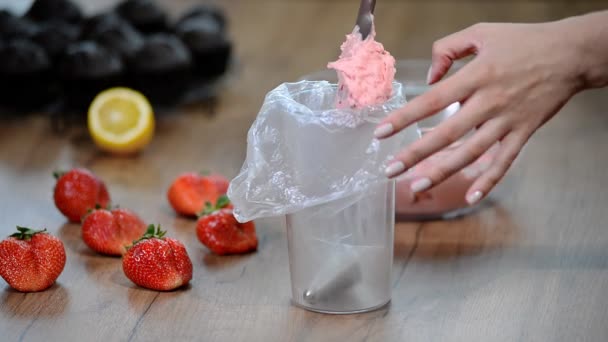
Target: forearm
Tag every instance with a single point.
(589, 36)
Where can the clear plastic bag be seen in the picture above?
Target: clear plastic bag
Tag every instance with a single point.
(303, 152)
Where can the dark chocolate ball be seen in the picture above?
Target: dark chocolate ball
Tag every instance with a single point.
(161, 69)
(161, 52)
(55, 36)
(22, 56)
(117, 35)
(145, 15)
(86, 69)
(199, 28)
(209, 11)
(64, 10)
(211, 50)
(89, 60)
(12, 27)
(24, 76)
(99, 22)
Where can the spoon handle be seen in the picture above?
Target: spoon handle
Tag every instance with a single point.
(364, 19)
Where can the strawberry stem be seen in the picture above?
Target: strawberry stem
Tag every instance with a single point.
(98, 207)
(222, 202)
(25, 233)
(107, 207)
(58, 174)
(151, 233)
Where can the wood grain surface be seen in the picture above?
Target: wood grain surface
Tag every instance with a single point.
(530, 266)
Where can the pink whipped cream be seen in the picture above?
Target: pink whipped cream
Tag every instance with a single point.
(365, 71)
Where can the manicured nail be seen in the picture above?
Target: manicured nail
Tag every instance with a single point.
(384, 130)
(428, 75)
(470, 173)
(474, 197)
(420, 185)
(394, 169)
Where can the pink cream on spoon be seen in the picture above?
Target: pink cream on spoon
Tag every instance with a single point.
(366, 71)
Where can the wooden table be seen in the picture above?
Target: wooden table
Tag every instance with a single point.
(533, 266)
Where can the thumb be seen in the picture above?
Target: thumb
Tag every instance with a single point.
(448, 49)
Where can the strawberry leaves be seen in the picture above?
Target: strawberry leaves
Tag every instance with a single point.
(59, 174)
(153, 232)
(25, 233)
(222, 202)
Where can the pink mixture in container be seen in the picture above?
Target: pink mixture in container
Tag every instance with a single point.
(445, 200)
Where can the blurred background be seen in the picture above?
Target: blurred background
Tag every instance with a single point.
(273, 41)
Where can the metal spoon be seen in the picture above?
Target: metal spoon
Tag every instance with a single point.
(365, 17)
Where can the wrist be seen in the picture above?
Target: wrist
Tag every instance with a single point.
(586, 39)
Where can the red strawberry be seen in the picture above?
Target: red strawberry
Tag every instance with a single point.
(222, 233)
(31, 260)
(189, 193)
(77, 191)
(110, 232)
(221, 182)
(157, 262)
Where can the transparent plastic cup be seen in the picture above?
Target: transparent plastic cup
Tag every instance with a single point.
(341, 253)
(323, 169)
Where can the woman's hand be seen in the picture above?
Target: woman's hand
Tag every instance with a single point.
(520, 77)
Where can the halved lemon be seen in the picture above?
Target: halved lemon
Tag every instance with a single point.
(121, 120)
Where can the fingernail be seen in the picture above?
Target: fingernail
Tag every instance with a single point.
(474, 197)
(428, 75)
(384, 130)
(394, 169)
(420, 185)
(470, 173)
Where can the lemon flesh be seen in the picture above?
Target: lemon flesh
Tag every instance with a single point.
(121, 120)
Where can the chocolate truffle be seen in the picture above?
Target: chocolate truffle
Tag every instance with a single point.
(24, 75)
(64, 10)
(212, 12)
(145, 15)
(161, 69)
(99, 22)
(210, 48)
(117, 35)
(12, 27)
(86, 69)
(55, 36)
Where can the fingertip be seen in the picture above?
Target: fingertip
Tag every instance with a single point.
(384, 130)
(394, 169)
(474, 197)
(420, 185)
